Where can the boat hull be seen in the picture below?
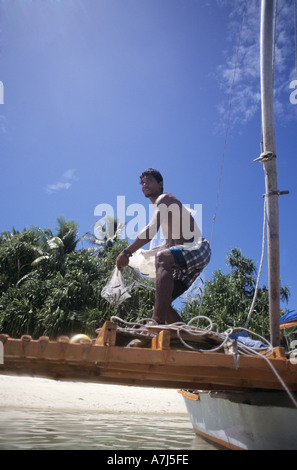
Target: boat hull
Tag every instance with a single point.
(253, 421)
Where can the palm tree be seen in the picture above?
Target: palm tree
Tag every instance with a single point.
(67, 233)
(17, 252)
(58, 246)
(105, 235)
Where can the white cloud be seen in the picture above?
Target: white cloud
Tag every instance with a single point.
(64, 183)
(70, 175)
(246, 92)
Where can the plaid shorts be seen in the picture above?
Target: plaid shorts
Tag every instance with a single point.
(190, 262)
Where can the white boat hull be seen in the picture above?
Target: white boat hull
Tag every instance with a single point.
(248, 421)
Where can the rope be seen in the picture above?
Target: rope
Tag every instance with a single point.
(260, 268)
(236, 347)
(228, 120)
(226, 135)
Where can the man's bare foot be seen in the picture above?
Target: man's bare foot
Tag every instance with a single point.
(152, 322)
(145, 328)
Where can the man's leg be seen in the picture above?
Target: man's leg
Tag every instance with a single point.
(172, 316)
(164, 287)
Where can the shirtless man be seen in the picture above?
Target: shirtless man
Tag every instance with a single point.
(182, 256)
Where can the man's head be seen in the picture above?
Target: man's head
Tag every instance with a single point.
(152, 182)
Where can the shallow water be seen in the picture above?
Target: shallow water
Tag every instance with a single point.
(53, 430)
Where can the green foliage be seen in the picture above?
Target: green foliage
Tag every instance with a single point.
(228, 297)
(49, 287)
(17, 252)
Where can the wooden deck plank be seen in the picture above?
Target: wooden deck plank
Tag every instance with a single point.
(157, 365)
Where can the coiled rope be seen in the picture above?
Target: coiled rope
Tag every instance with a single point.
(235, 347)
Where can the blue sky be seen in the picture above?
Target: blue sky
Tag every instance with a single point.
(96, 91)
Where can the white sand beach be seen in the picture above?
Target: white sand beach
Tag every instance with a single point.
(46, 394)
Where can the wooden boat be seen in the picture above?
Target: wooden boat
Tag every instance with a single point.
(263, 419)
(241, 401)
(157, 359)
(252, 420)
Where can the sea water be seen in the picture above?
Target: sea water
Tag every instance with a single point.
(29, 429)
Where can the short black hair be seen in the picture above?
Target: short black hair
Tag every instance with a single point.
(155, 173)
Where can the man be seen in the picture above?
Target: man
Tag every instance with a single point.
(182, 256)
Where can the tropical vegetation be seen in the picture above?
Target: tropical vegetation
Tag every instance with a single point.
(50, 286)
(227, 298)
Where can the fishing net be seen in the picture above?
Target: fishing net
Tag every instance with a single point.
(143, 261)
(121, 284)
(115, 291)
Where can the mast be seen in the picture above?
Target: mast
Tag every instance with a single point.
(270, 168)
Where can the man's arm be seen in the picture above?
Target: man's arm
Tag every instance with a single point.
(145, 236)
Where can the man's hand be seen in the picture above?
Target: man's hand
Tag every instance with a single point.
(122, 260)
